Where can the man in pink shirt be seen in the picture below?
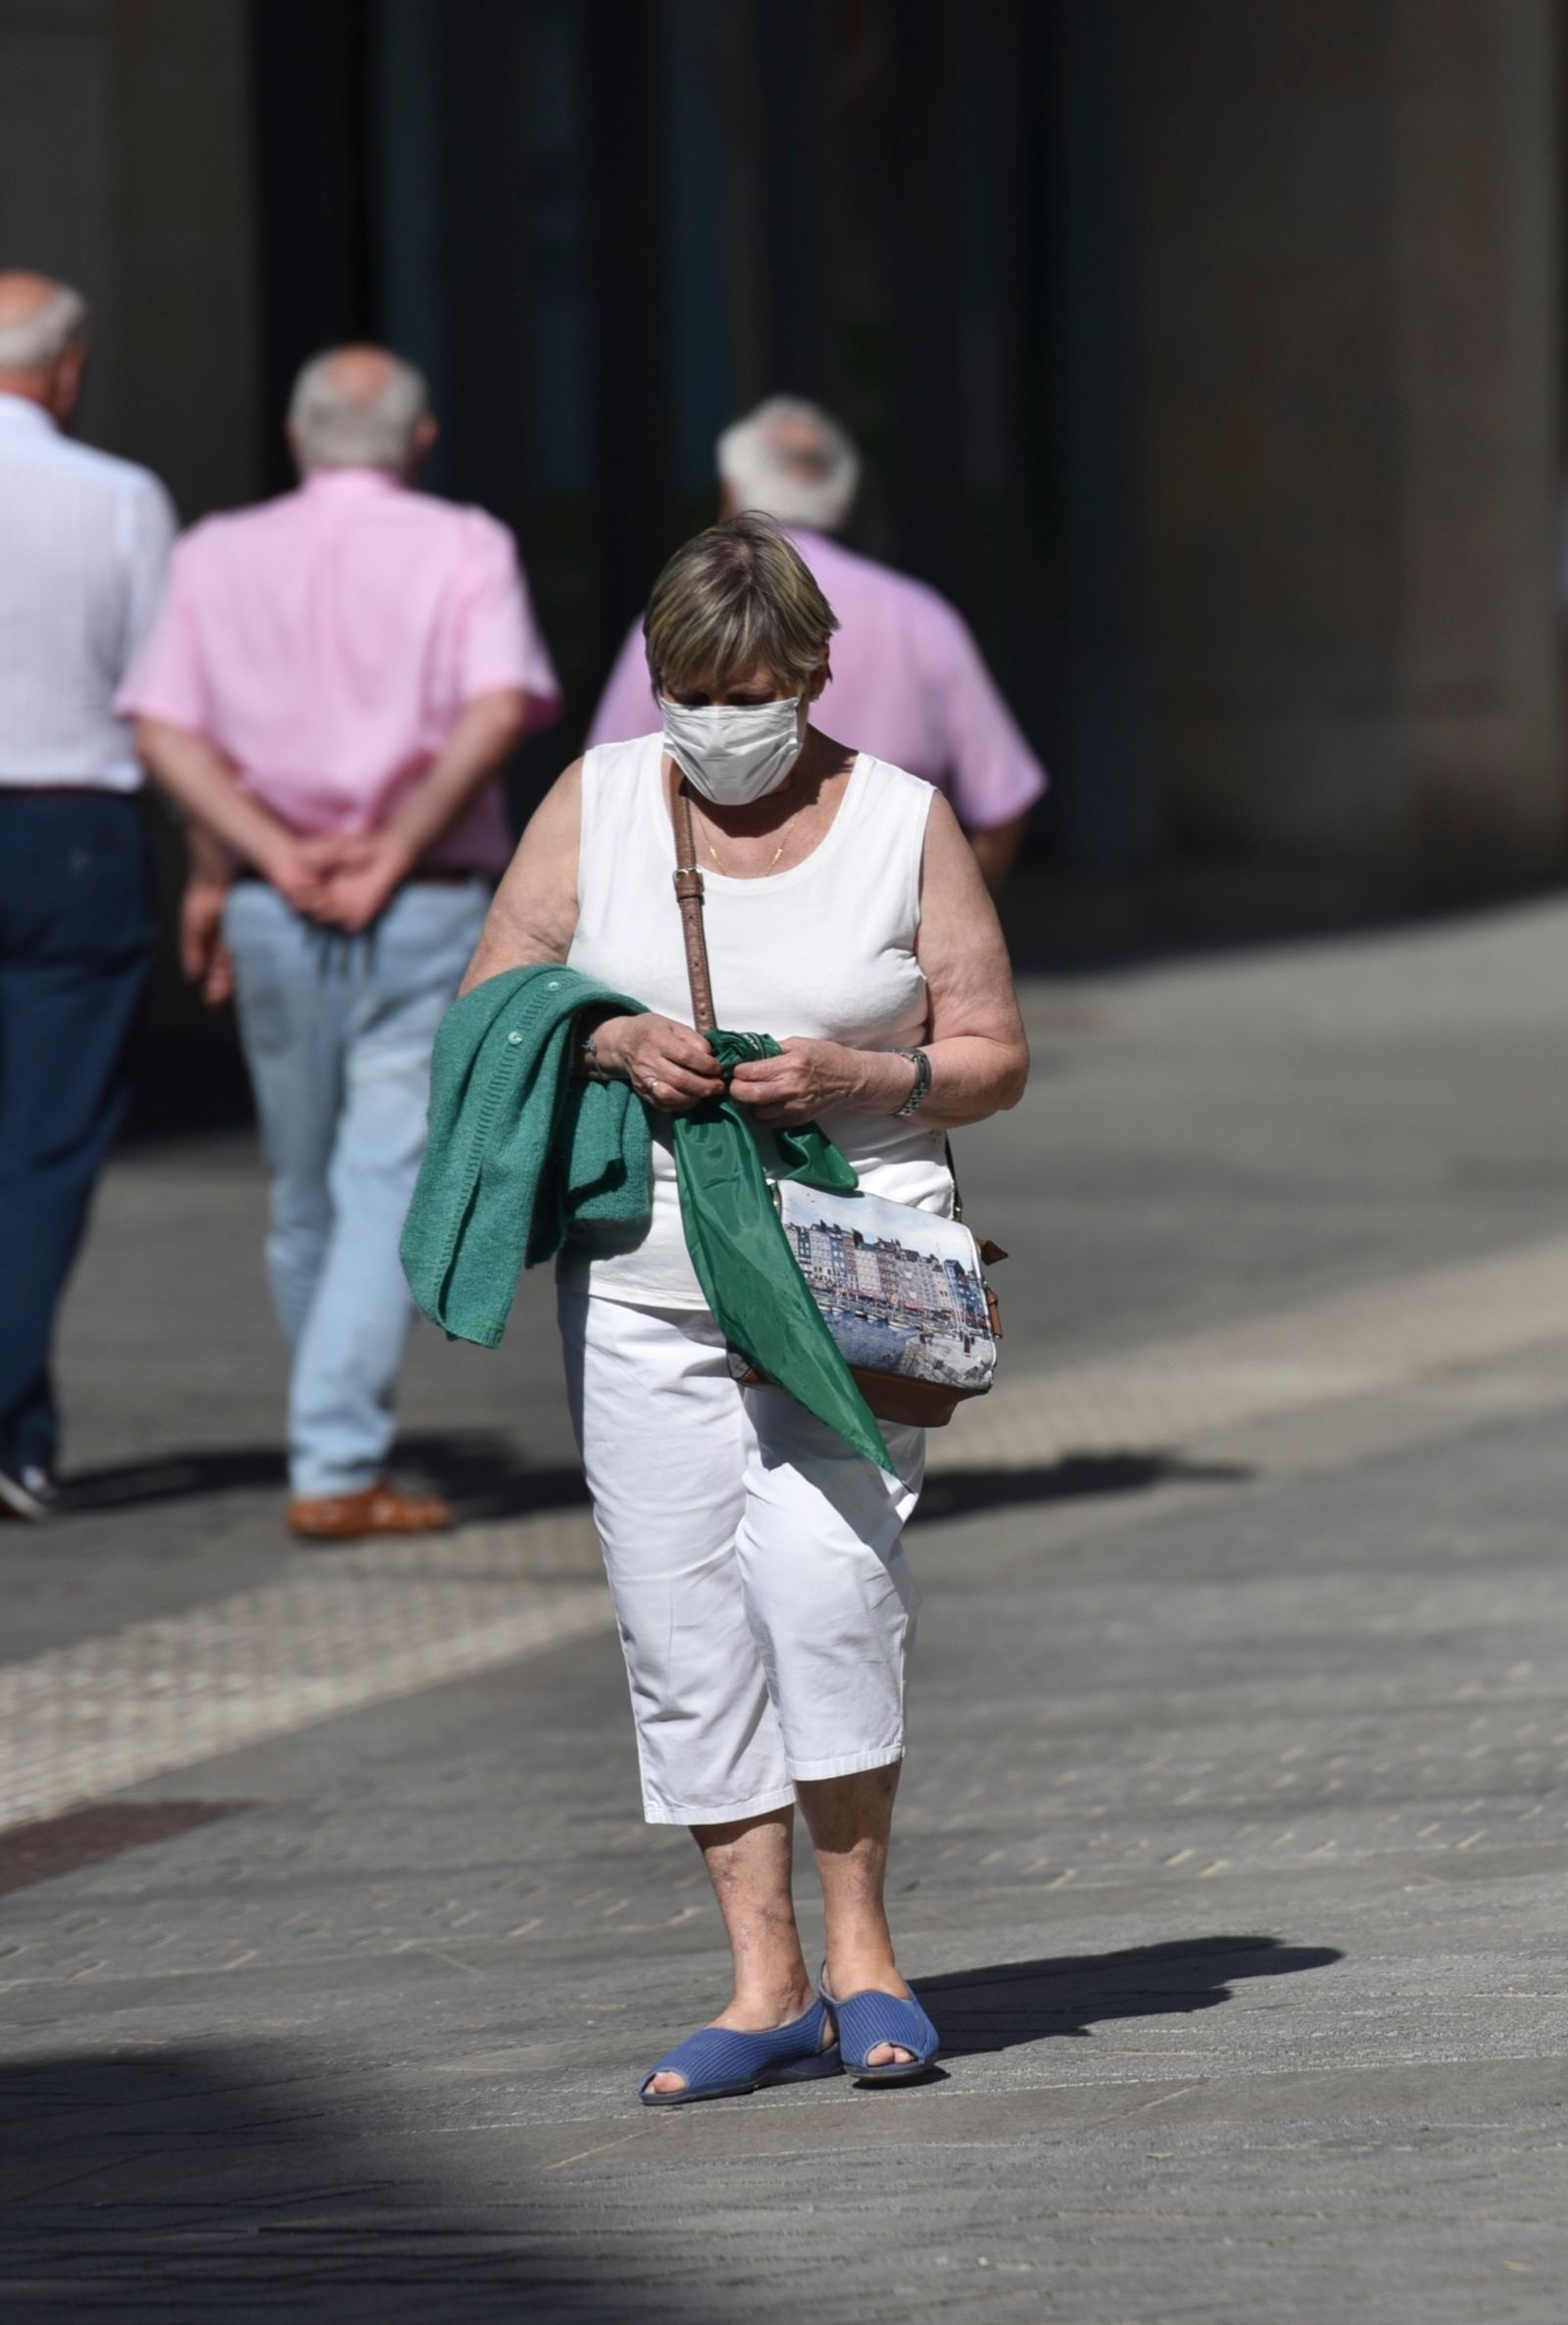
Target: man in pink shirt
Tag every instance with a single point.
(331, 686)
(908, 684)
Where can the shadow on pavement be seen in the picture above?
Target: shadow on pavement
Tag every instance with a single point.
(1000, 2007)
(958, 1492)
(481, 1474)
(173, 1477)
(485, 1480)
(208, 2183)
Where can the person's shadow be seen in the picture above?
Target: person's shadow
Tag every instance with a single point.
(488, 1479)
(1005, 2003)
(485, 1479)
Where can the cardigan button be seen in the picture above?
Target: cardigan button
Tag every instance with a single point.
(514, 1037)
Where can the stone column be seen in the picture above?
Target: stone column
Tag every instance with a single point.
(123, 126)
(185, 231)
(1349, 292)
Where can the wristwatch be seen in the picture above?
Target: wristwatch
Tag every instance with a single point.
(922, 1083)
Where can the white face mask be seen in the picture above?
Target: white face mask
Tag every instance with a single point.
(734, 753)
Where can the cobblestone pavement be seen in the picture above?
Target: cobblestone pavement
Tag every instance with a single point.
(1234, 1847)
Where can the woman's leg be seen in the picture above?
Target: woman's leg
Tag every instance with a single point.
(664, 1447)
(749, 1865)
(831, 1599)
(849, 1819)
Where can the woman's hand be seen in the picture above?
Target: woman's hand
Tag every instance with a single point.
(809, 1077)
(668, 1065)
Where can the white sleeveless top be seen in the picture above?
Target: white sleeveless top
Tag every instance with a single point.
(824, 949)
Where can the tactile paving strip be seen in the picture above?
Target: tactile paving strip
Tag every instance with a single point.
(1171, 1392)
(361, 1626)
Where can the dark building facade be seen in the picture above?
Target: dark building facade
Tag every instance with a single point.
(1207, 357)
(605, 230)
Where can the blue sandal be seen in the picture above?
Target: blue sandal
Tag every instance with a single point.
(721, 2062)
(867, 2020)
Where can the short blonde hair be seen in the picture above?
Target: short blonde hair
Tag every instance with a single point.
(737, 595)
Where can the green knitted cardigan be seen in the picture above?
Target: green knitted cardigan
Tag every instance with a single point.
(519, 1152)
(522, 1156)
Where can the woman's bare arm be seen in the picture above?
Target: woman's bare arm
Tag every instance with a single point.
(978, 1049)
(979, 1055)
(533, 916)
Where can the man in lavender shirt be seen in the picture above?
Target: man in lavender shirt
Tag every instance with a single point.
(330, 691)
(908, 684)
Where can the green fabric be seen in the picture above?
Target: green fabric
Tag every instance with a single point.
(519, 1153)
(744, 1264)
(521, 1158)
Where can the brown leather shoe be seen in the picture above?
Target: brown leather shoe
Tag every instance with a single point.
(379, 1510)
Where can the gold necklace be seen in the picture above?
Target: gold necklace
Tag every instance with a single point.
(772, 860)
(777, 852)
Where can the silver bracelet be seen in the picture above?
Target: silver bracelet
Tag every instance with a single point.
(922, 1083)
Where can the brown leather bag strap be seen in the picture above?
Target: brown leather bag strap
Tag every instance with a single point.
(989, 1253)
(689, 894)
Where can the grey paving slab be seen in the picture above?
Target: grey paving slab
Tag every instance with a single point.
(1234, 1845)
(1200, 1142)
(1220, 2046)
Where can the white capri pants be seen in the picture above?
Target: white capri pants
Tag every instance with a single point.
(766, 1606)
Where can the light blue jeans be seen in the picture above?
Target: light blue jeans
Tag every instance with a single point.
(337, 1032)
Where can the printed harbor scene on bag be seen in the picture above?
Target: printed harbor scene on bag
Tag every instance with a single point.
(899, 1290)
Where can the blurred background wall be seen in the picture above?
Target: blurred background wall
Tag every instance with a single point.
(1208, 355)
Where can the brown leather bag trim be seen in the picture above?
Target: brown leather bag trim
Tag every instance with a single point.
(917, 1403)
(689, 895)
(891, 1397)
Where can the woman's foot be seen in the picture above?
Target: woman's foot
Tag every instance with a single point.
(867, 1973)
(745, 2016)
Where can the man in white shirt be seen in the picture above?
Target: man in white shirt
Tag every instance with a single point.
(86, 542)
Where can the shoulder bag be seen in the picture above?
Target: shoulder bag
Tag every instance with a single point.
(902, 1290)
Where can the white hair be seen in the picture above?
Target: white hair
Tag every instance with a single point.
(38, 341)
(334, 429)
(792, 461)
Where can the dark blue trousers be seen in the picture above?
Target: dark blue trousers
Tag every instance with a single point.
(75, 935)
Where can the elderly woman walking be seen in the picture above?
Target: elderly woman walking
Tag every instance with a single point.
(764, 1602)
